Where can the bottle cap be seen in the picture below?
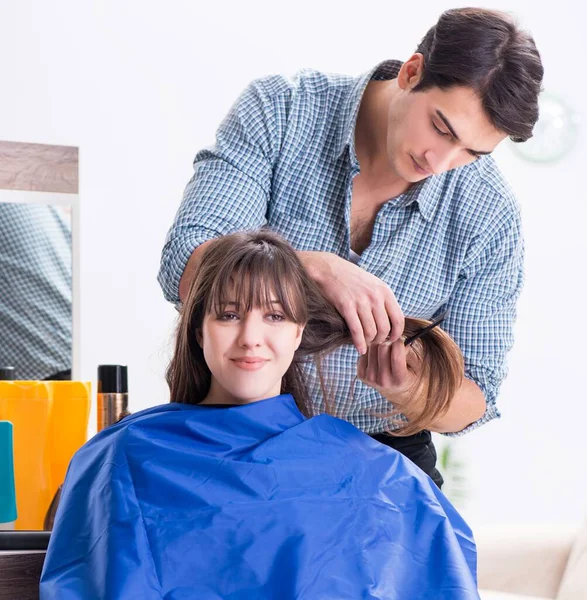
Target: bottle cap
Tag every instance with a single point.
(7, 374)
(8, 495)
(112, 379)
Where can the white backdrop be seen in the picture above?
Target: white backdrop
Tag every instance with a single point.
(140, 86)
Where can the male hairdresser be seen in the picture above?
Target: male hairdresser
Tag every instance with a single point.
(386, 186)
(35, 291)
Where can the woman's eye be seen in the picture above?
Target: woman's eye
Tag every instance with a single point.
(440, 132)
(227, 316)
(276, 317)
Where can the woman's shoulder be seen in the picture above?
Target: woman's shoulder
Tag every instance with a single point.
(344, 435)
(110, 446)
(330, 423)
(344, 438)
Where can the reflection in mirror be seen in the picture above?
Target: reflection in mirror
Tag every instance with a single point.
(36, 284)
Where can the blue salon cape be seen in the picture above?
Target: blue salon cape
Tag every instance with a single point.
(251, 502)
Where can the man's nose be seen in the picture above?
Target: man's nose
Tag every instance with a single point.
(441, 159)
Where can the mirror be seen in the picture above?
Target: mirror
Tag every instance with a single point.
(38, 215)
(36, 279)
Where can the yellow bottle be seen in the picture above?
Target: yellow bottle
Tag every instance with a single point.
(50, 420)
(27, 404)
(68, 426)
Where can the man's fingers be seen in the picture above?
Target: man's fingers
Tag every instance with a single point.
(397, 362)
(362, 367)
(372, 369)
(395, 316)
(385, 375)
(368, 307)
(381, 319)
(356, 328)
(365, 313)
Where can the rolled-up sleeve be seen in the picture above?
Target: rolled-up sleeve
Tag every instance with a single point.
(231, 185)
(483, 305)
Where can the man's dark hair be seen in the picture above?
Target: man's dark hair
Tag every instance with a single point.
(486, 50)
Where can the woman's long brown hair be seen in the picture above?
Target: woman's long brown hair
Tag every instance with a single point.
(254, 266)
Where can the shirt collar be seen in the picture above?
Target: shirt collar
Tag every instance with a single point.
(427, 192)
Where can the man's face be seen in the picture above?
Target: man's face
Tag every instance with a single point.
(435, 131)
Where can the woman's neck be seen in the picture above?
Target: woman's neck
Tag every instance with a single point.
(218, 395)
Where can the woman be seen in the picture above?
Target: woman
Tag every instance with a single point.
(234, 490)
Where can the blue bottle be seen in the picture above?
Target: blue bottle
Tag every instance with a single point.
(7, 489)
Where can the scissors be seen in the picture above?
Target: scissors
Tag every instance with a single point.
(437, 321)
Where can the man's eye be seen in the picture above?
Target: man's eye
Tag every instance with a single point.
(442, 133)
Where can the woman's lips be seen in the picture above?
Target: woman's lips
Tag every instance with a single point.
(249, 364)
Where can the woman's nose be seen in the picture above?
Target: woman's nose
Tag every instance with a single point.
(250, 332)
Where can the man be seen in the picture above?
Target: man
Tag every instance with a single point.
(35, 296)
(386, 187)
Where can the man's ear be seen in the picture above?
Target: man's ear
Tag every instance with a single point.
(411, 72)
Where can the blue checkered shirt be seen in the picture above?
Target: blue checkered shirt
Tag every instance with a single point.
(35, 290)
(285, 157)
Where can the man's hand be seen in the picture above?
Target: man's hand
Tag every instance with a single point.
(366, 303)
(393, 370)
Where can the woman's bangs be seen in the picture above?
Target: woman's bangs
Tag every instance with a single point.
(258, 284)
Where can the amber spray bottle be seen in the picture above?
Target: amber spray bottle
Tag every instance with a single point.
(112, 394)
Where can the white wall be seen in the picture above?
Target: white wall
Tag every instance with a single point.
(140, 86)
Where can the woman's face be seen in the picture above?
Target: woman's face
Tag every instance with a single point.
(247, 352)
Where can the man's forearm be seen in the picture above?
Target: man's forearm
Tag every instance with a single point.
(467, 406)
(190, 270)
(314, 263)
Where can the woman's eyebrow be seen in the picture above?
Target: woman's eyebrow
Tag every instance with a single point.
(232, 303)
(456, 135)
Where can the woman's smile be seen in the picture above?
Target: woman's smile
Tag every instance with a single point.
(250, 363)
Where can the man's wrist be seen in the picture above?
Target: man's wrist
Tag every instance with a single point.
(315, 263)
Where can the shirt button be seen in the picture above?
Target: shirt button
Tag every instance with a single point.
(382, 220)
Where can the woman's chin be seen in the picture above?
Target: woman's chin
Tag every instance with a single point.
(246, 396)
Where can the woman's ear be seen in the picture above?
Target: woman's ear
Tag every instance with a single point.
(199, 338)
(299, 335)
